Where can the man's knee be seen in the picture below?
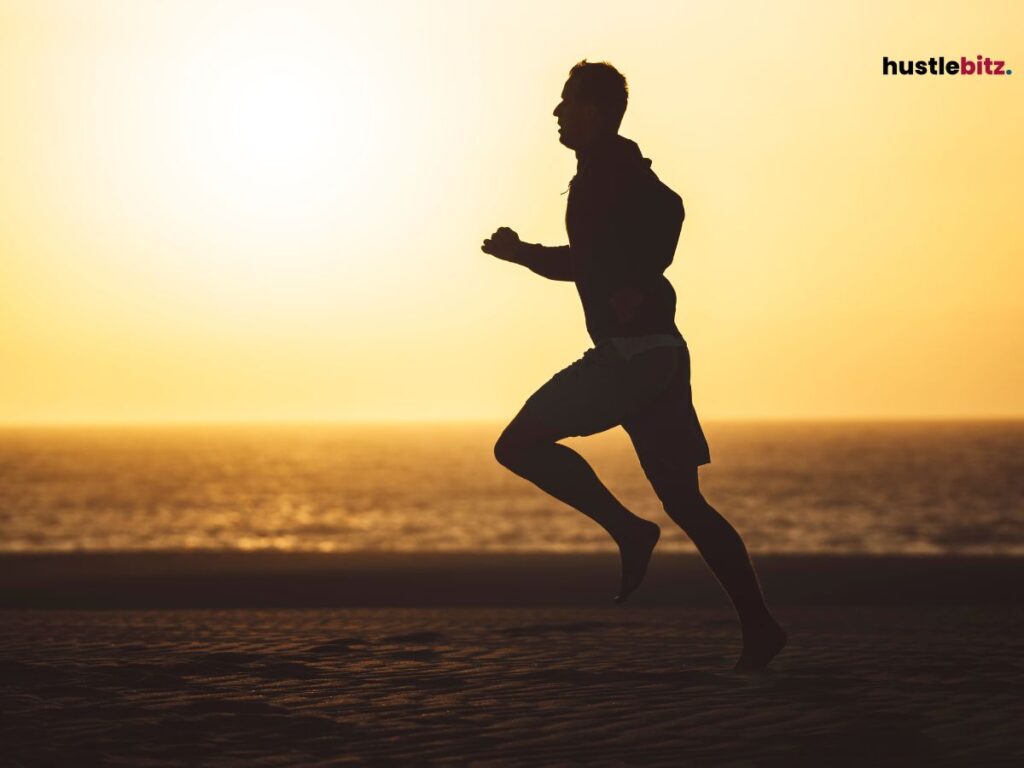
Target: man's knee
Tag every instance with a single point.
(507, 450)
(698, 519)
(686, 507)
(677, 489)
(517, 440)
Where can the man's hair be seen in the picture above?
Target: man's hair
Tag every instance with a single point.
(604, 86)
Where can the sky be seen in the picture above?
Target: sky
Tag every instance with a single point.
(234, 211)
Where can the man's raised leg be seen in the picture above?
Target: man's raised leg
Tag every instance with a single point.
(529, 448)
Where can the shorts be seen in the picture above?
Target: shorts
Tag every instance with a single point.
(648, 395)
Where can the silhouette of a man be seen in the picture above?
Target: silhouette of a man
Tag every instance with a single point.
(623, 226)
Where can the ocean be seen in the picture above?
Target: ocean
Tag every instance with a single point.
(789, 487)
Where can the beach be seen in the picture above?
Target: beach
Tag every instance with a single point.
(267, 659)
(389, 595)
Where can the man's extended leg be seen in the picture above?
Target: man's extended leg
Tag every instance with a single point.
(528, 447)
(718, 543)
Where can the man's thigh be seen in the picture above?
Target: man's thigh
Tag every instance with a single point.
(668, 462)
(666, 432)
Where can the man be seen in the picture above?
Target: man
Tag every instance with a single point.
(623, 226)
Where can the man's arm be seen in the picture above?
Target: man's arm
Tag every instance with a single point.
(553, 263)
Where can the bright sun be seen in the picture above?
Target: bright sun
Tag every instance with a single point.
(271, 137)
(268, 118)
(237, 156)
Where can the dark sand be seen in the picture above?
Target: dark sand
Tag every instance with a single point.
(892, 661)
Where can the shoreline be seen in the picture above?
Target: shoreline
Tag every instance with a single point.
(272, 579)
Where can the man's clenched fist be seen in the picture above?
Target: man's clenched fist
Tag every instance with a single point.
(504, 244)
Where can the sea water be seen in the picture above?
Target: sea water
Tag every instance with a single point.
(839, 487)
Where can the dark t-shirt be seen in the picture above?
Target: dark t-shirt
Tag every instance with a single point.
(623, 225)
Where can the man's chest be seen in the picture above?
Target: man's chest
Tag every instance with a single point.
(598, 210)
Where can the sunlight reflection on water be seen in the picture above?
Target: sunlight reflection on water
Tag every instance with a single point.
(788, 487)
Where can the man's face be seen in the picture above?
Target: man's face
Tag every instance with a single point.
(577, 120)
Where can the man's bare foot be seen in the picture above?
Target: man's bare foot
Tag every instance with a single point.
(635, 550)
(761, 645)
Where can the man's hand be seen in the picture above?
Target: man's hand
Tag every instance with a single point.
(504, 244)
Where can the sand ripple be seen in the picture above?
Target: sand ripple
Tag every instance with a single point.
(508, 686)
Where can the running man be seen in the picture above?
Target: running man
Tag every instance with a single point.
(623, 227)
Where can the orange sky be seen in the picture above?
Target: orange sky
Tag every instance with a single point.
(252, 210)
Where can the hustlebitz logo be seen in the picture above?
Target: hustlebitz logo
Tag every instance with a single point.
(981, 65)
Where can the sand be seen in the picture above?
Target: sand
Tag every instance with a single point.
(907, 682)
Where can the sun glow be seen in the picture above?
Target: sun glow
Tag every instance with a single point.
(273, 122)
(234, 151)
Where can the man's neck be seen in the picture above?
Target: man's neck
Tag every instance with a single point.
(594, 147)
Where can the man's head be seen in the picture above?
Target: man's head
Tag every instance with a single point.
(593, 103)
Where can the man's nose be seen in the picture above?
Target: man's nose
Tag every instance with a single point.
(555, 113)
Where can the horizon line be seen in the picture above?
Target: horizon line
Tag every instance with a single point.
(464, 421)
